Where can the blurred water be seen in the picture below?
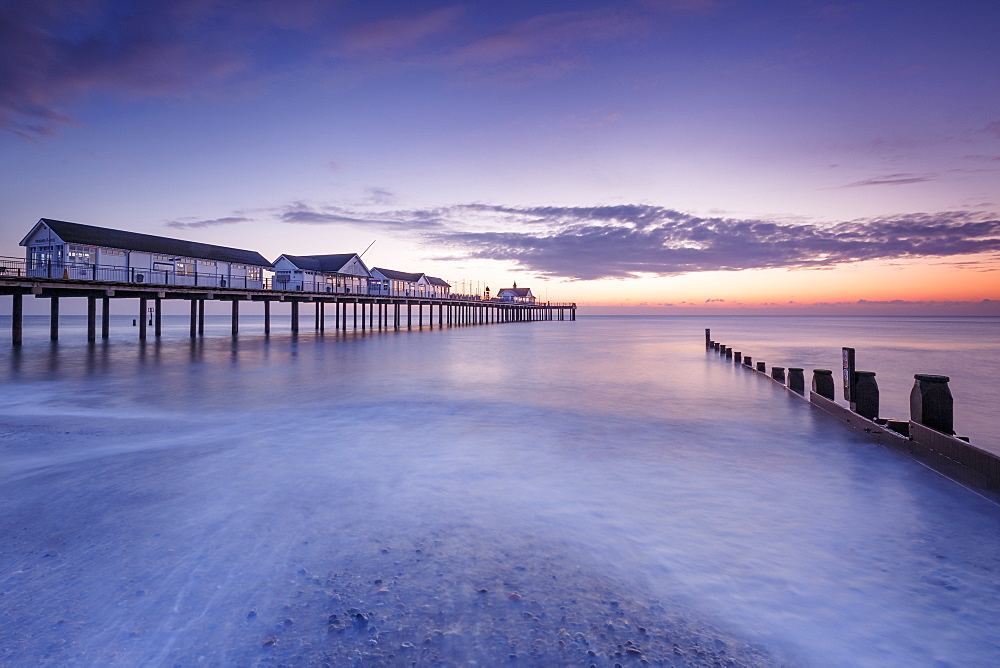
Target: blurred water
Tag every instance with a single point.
(241, 501)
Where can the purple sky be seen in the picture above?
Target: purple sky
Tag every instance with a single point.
(649, 148)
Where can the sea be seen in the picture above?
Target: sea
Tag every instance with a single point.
(593, 492)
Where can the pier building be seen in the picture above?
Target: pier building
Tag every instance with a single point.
(341, 273)
(60, 249)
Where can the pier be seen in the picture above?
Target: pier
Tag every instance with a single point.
(349, 311)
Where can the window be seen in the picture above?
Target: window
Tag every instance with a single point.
(79, 255)
(40, 256)
(206, 263)
(253, 273)
(185, 268)
(162, 258)
(112, 251)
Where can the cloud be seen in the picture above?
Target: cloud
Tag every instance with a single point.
(540, 34)
(303, 214)
(891, 180)
(400, 32)
(58, 51)
(635, 240)
(381, 196)
(214, 222)
(993, 129)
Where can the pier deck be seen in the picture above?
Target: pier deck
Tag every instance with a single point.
(376, 311)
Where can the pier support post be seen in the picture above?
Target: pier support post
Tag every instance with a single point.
(864, 397)
(295, 317)
(796, 380)
(201, 317)
(142, 318)
(822, 383)
(54, 319)
(362, 317)
(409, 315)
(194, 318)
(157, 317)
(322, 315)
(236, 317)
(316, 325)
(91, 318)
(931, 403)
(267, 317)
(355, 315)
(105, 317)
(16, 319)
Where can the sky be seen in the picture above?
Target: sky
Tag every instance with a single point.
(646, 156)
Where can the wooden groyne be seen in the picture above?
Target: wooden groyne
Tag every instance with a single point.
(349, 311)
(928, 435)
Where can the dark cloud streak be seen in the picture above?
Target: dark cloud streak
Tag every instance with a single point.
(629, 241)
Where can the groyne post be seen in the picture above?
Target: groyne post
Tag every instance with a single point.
(822, 383)
(864, 396)
(796, 380)
(747, 361)
(778, 373)
(931, 403)
(737, 357)
(762, 367)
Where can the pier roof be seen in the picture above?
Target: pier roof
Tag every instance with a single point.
(334, 262)
(90, 235)
(398, 275)
(516, 292)
(434, 280)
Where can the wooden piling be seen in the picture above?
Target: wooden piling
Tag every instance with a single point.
(295, 317)
(105, 317)
(91, 318)
(157, 317)
(236, 317)
(142, 318)
(267, 317)
(16, 319)
(54, 319)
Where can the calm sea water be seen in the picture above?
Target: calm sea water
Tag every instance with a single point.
(544, 493)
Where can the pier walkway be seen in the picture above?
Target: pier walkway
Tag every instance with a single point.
(355, 311)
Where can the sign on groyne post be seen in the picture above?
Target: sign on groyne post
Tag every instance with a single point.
(850, 378)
